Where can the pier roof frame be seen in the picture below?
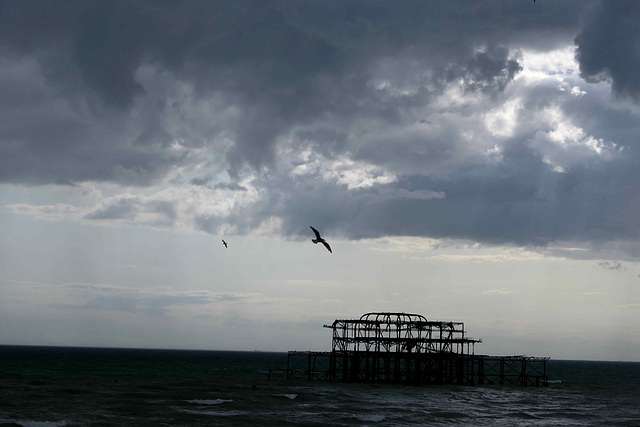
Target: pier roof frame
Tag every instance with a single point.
(399, 332)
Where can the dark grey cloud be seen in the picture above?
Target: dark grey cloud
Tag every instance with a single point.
(608, 46)
(137, 93)
(280, 65)
(519, 201)
(488, 71)
(201, 180)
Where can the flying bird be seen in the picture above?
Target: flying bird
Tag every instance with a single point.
(224, 243)
(319, 239)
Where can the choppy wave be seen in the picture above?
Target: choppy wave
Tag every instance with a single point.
(32, 423)
(372, 418)
(69, 387)
(209, 401)
(290, 396)
(229, 413)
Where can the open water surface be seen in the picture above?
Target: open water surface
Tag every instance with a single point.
(57, 386)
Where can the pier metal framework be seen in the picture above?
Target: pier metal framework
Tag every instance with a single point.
(408, 348)
(400, 333)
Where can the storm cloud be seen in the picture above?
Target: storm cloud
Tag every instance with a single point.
(608, 46)
(489, 121)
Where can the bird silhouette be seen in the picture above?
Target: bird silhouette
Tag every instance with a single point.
(319, 239)
(224, 243)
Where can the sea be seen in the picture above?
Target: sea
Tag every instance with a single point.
(69, 386)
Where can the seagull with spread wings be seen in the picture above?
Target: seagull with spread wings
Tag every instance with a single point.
(319, 239)
(224, 243)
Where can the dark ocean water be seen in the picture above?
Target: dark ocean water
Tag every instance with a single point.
(53, 386)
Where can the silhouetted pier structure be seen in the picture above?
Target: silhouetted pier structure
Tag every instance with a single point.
(408, 348)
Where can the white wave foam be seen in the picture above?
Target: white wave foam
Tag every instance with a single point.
(209, 401)
(289, 396)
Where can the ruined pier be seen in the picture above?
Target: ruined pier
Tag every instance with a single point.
(408, 348)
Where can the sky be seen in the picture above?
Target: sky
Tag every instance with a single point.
(468, 161)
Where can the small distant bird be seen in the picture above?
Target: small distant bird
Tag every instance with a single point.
(224, 243)
(319, 239)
